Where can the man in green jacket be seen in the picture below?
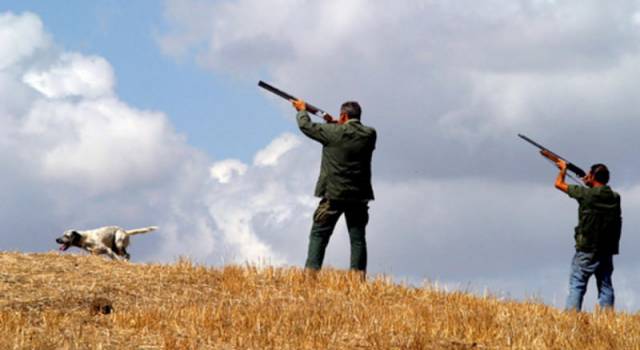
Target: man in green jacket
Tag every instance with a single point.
(597, 235)
(344, 184)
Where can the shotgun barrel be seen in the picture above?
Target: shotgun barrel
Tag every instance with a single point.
(310, 108)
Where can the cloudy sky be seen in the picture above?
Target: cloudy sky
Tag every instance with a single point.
(148, 113)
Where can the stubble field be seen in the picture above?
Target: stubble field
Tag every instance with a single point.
(53, 301)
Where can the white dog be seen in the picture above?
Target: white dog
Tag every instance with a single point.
(110, 240)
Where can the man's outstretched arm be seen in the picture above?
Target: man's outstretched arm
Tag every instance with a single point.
(313, 130)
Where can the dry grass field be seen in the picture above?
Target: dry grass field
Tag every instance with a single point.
(53, 301)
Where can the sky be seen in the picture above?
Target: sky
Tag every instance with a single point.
(147, 113)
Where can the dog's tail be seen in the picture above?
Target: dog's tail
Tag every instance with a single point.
(138, 231)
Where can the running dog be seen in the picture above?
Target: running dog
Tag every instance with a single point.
(110, 240)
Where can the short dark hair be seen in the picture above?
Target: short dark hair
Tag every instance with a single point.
(600, 172)
(352, 108)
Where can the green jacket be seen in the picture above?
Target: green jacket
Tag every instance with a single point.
(599, 219)
(345, 171)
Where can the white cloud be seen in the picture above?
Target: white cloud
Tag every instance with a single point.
(100, 144)
(194, 12)
(270, 155)
(20, 37)
(224, 170)
(73, 75)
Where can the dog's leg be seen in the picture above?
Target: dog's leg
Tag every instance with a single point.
(120, 244)
(126, 254)
(112, 254)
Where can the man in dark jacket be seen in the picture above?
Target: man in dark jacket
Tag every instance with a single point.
(344, 184)
(597, 235)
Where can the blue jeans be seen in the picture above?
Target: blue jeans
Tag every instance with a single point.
(582, 267)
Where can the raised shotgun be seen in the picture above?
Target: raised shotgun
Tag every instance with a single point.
(554, 157)
(310, 108)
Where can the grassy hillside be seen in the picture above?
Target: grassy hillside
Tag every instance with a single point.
(52, 301)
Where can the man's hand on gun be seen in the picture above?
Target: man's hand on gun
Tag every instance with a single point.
(300, 105)
(560, 163)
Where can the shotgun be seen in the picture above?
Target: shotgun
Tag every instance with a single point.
(554, 157)
(310, 108)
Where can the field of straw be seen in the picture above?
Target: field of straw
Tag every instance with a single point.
(53, 301)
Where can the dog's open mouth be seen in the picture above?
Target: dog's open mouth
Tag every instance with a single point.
(64, 244)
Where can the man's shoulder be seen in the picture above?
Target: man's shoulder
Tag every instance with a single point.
(365, 128)
(606, 190)
(577, 191)
(611, 193)
(614, 193)
(370, 128)
(602, 195)
(585, 191)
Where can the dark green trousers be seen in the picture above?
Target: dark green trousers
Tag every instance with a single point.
(324, 221)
